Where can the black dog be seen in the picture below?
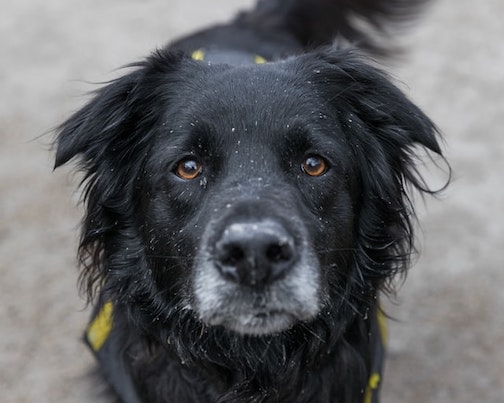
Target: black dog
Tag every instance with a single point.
(243, 215)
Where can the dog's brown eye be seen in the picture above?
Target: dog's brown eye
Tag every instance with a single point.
(188, 169)
(314, 166)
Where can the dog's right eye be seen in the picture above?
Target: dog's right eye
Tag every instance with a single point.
(314, 166)
(188, 169)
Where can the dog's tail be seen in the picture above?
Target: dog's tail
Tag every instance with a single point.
(363, 23)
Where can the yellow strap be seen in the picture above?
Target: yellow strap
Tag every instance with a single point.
(99, 329)
(259, 59)
(374, 382)
(374, 379)
(199, 54)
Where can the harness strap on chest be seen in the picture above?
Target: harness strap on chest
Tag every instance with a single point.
(379, 326)
(101, 338)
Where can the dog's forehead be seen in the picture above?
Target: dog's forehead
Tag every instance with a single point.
(261, 113)
(254, 96)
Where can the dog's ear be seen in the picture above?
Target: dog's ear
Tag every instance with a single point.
(109, 136)
(112, 117)
(386, 133)
(377, 118)
(90, 131)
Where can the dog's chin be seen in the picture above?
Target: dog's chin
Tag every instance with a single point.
(257, 313)
(260, 323)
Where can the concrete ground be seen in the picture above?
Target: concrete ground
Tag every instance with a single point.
(447, 344)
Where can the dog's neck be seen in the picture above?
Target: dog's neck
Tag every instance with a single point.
(231, 368)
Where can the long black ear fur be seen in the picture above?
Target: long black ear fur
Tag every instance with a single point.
(110, 137)
(113, 115)
(386, 132)
(90, 131)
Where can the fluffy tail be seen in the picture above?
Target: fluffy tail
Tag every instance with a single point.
(364, 23)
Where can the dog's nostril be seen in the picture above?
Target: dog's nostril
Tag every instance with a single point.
(233, 255)
(255, 253)
(280, 252)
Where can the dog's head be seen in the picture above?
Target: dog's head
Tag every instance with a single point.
(254, 198)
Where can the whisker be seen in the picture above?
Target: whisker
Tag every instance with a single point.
(174, 257)
(327, 250)
(311, 332)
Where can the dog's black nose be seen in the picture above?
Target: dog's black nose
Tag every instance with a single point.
(255, 254)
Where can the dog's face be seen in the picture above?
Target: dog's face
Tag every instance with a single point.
(250, 177)
(254, 198)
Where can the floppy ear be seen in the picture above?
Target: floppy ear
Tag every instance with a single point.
(385, 131)
(110, 137)
(90, 131)
(116, 112)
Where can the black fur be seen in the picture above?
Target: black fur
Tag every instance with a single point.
(150, 239)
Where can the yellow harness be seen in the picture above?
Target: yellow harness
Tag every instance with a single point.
(211, 56)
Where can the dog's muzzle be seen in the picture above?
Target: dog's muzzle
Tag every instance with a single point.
(256, 275)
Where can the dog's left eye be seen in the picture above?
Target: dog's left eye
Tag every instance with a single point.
(188, 169)
(314, 166)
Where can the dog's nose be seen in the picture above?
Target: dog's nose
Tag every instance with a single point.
(255, 254)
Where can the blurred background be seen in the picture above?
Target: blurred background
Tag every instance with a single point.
(447, 343)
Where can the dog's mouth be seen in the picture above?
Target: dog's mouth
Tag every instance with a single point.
(255, 323)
